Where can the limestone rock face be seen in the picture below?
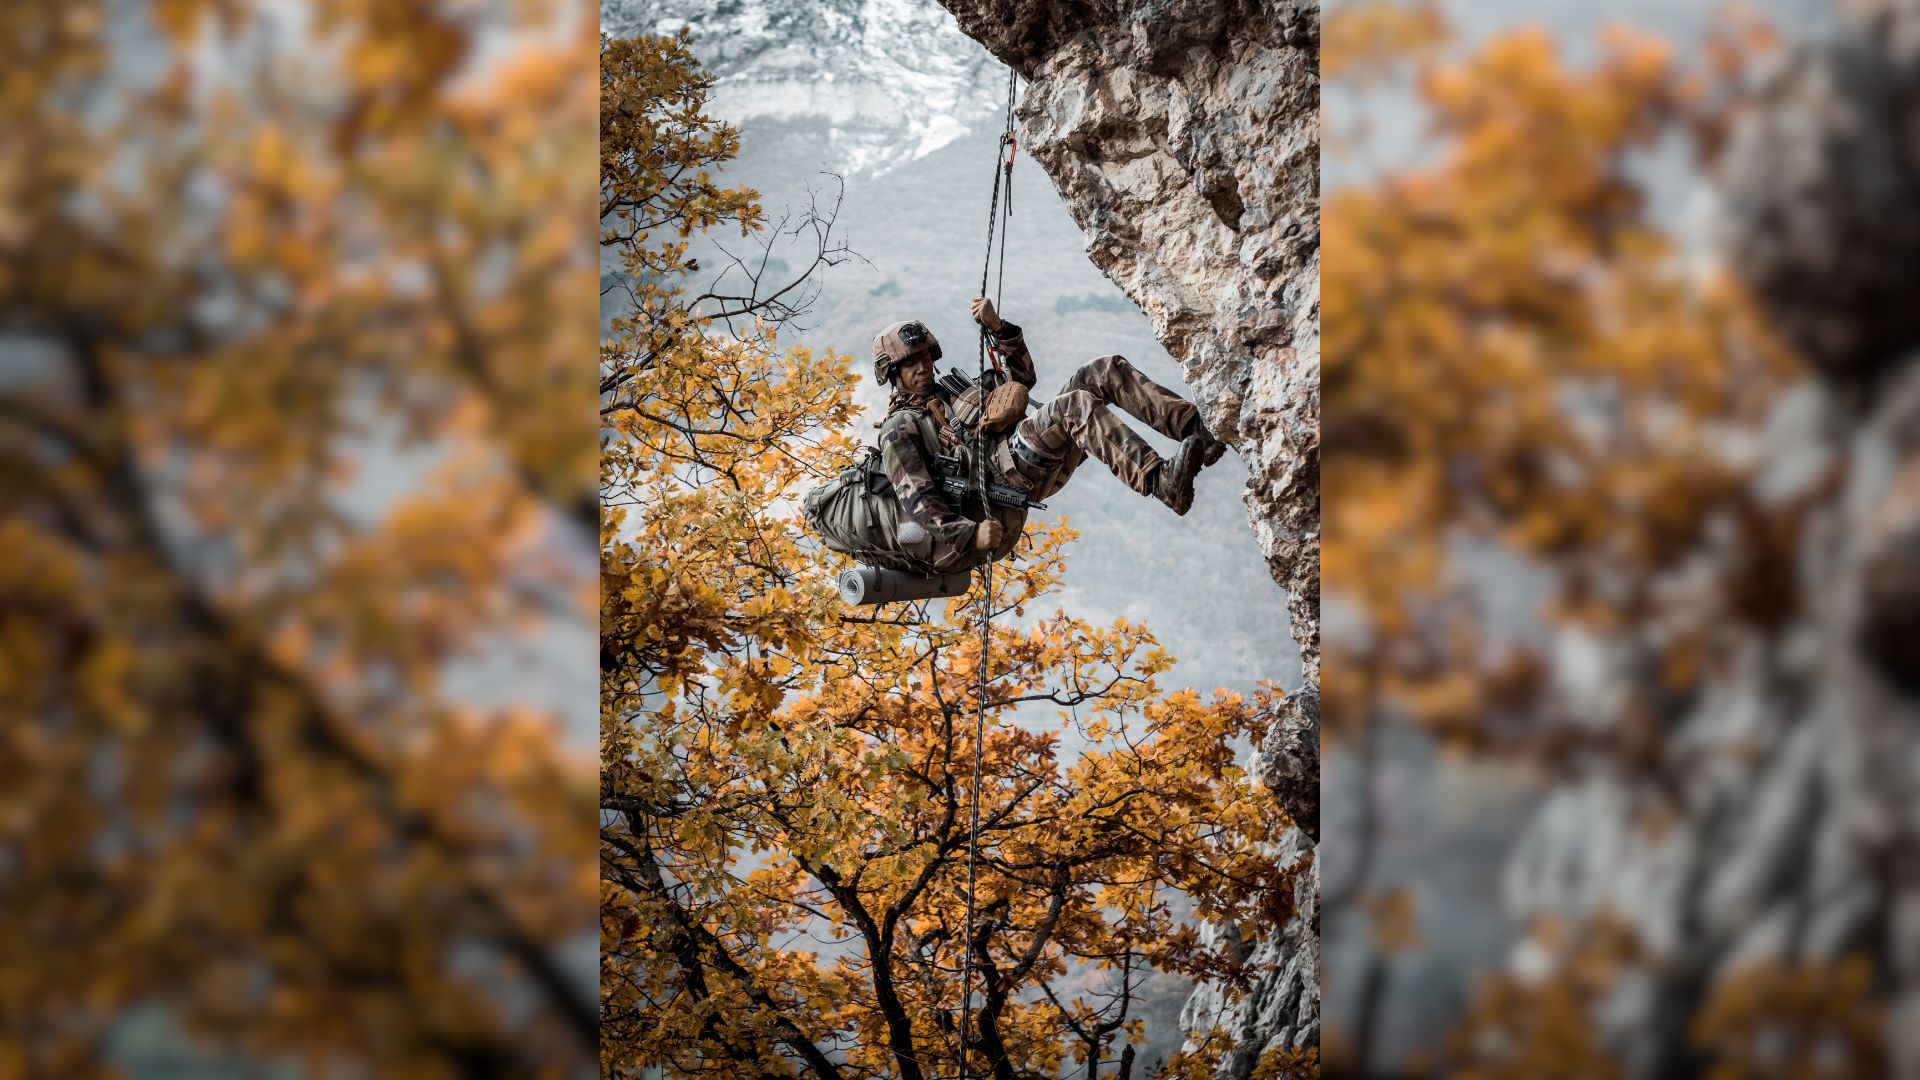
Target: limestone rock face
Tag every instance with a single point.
(1813, 179)
(1289, 760)
(1283, 1008)
(1184, 138)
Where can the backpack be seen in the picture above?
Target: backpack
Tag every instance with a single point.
(856, 513)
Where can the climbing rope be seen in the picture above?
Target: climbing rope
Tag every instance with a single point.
(996, 215)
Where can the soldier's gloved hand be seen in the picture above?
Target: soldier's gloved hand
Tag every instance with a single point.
(988, 534)
(984, 314)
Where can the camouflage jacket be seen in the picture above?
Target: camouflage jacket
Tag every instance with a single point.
(909, 466)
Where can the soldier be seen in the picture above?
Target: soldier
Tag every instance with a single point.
(1035, 454)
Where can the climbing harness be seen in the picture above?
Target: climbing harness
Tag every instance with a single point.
(997, 214)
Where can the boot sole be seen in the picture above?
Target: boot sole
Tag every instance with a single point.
(1192, 460)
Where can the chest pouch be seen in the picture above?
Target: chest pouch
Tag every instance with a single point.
(1005, 406)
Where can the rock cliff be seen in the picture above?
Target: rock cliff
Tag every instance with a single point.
(1184, 137)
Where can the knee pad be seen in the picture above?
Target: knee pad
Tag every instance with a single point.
(1028, 458)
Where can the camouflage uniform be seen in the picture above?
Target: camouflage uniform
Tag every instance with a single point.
(1049, 444)
(1038, 455)
(910, 470)
(908, 461)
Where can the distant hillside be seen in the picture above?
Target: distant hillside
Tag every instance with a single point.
(890, 81)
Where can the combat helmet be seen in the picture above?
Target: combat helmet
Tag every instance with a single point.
(899, 343)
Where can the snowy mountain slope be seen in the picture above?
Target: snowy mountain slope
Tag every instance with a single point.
(891, 80)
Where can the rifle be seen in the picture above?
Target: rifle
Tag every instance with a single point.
(951, 473)
(952, 384)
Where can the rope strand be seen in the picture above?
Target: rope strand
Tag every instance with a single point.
(994, 216)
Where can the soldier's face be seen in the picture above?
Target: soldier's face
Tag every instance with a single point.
(916, 375)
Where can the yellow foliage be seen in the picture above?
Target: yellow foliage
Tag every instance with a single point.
(1519, 362)
(1288, 1063)
(1545, 1027)
(1794, 1020)
(233, 787)
(1396, 921)
(1367, 39)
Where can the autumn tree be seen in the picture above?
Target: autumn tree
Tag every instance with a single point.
(1522, 362)
(296, 304)
(788, 799)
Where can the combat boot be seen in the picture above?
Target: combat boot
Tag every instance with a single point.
(1173, 480)
(1211, 448)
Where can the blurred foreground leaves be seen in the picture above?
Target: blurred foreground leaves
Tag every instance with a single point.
(296, 301)
(1517, 358)
(1539, 397)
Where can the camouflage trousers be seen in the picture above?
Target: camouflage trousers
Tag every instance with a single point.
(1079, 423)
